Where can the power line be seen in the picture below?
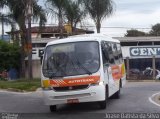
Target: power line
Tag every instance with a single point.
(109, 27)
(128, 27)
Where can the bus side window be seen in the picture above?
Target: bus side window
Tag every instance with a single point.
(119, 53)
(115, 52)
(111, 53)
(105, 53)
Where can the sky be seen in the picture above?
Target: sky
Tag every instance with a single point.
(132, 14)
(137, 14)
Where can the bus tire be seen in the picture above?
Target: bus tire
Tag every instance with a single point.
(117, 94)
(103, 104)
(53, 108)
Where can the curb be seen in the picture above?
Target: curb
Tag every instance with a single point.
(20, 91)
(143, 80)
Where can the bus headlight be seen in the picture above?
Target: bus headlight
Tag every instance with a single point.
(98, 83)
(101, 83)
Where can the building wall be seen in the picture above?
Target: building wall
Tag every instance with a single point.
(35, 35)
(146, 53)
(36, 69)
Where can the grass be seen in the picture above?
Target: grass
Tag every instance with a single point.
(21, 85)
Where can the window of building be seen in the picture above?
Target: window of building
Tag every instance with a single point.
(35, 45)
(144, 43)
(129, 43)
(47, 35)
(156, 42)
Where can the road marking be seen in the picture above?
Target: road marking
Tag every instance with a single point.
(150, 99)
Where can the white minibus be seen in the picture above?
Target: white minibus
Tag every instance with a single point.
(83, 68)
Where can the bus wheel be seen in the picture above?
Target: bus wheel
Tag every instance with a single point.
(103, 104)
(53, 108)
(117, 95)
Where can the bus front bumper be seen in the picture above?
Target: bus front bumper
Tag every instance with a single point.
(91, 94)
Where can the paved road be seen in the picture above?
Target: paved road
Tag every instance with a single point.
(134, 98)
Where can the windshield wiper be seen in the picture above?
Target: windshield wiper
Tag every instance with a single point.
(81, 65)
(51, 74)
(54, 76)
(57, 65)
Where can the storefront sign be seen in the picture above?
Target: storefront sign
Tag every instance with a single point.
(144, 51)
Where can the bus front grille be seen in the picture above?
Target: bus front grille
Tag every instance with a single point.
(70, 88)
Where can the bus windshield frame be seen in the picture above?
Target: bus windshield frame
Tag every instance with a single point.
(71, 59)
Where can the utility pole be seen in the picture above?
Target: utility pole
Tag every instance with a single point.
(29, 43)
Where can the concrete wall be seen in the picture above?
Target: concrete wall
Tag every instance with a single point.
(36, 69)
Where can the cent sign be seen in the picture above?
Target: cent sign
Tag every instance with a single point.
(144, 51)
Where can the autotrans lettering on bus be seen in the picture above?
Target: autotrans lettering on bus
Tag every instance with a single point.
(85, 68)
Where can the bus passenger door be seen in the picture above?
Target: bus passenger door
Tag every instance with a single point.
(111, 83)
(108, 79)
(107, 68)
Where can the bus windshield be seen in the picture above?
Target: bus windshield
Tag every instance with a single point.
(70, 59)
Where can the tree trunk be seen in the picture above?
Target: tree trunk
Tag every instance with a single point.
(29, 46)
(98, 26)
(23, 66)
(2, 27)
(60, 24)
(23, 40)
(73, 28)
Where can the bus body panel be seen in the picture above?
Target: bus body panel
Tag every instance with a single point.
(91, 94)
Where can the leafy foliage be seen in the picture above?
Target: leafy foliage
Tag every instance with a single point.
(98, 10)
(18, 10)
(9, 55)
(134, 33)
(155, 30)
(74, 13)
(57, 7)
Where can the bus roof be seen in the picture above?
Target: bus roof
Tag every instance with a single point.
(84, 37)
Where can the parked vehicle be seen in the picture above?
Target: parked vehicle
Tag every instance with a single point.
(134, 71)
(149, 72)
(158, 77)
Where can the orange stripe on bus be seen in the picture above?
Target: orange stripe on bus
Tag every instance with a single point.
(116, 72)
(74, 81)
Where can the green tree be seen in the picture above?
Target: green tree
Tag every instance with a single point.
(155, 31)
(74, 13)
(98, 10)
(18, 10)
(6, 19)
(2, 3)
(134, 33)
(57, 7)
(9, 56)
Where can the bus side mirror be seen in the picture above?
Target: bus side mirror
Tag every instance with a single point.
(40, 53)
(41, 58)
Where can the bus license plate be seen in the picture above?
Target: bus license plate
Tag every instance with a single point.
(70, 101)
